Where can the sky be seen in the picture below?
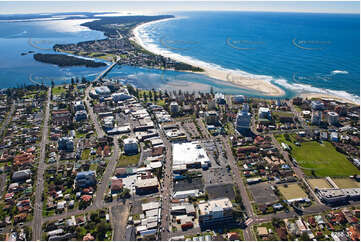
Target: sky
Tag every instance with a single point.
(16, 7)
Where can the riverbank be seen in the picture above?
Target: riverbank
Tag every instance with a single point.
(235, 77)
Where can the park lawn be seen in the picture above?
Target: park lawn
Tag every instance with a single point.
(58, 90)
(319, 183)
(292, 191)
(323, 158)
(346, 183)
(126, 161)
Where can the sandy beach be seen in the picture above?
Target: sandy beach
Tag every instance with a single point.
(238, 78)
(247, 82)
(326, 96)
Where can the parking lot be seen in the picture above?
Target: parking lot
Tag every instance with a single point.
(262, 193)
(217, 175)
(220, 190)
(189, 184)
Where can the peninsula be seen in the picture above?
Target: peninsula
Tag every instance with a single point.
(119, 43)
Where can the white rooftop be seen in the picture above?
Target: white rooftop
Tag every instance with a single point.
(189, 153)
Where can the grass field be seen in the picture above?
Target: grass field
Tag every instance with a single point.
(58, 90)
(292, 191)
(126, 161)
(323, 158)
(346, 182)
(319, 182)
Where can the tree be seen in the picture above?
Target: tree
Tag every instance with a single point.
(101, 228)
(52, 84)
(304, 237)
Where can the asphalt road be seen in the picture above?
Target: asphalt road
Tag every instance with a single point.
(108, 173)
(166, 190)
(119, 217)
(7, 119)
(37, 220)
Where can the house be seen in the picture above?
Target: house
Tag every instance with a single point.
(262, 231)
(22, 175)
(116, 185)
(233, 236)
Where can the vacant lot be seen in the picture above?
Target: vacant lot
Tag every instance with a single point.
(292, 191)
(322, 159)
(128, 160)
(262, 193)
(346, 182)
(319, 183)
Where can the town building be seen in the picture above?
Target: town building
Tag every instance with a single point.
(264, 113)
(190, 154)
(146, 186)
(238, 99)
(81, 115)
(219, 98)
(130, 146)
(316, 117)
(102, 91)
(85, 179)
(174, 107)
(332, 118)
(317, 105)
(243, 120)
(120, 96)
(211, 117)
(217, 211)
(78, 106)
(66, 144)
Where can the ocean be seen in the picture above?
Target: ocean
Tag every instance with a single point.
(299, 52)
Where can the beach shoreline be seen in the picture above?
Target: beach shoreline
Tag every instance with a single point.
(254, 84)
(327, 96)
(235, 77)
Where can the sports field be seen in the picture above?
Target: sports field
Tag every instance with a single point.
(292, 191)
(319, 183)
(323, 159)
(346, 182)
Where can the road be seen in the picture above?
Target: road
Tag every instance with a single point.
(7, 119)
(166, 189)
(108, 173)
(37, 220)
(248, 235)
(119, 217)
(93, 117)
